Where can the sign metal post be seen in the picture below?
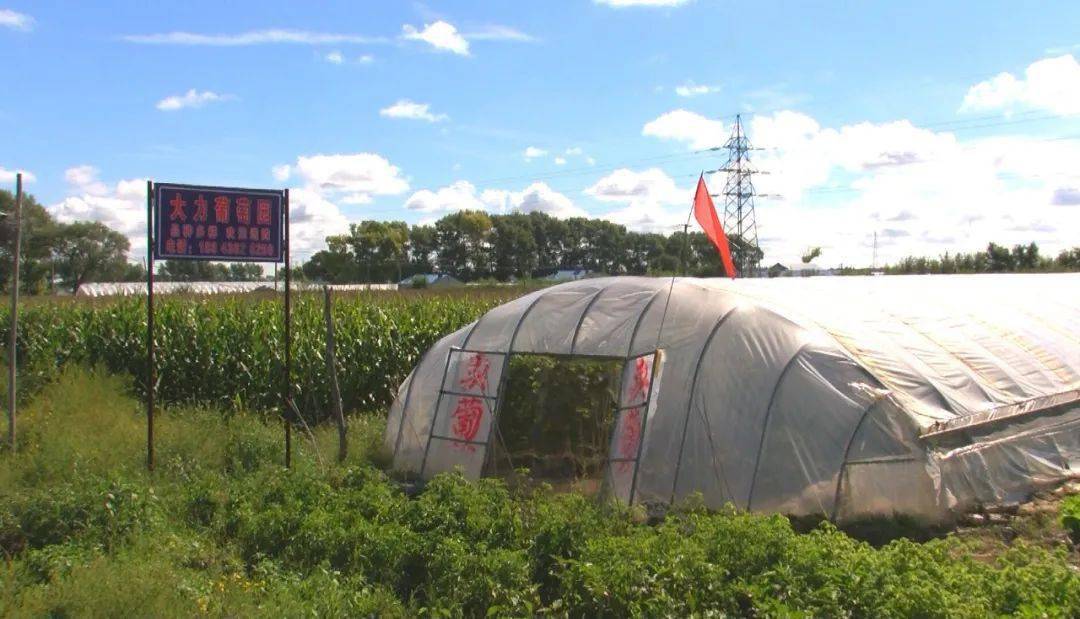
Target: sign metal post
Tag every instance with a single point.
(287, 416)
(151, 377)
(195, 222)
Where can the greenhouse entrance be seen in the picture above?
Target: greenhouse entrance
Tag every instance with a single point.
(557, 420)
(573, 421)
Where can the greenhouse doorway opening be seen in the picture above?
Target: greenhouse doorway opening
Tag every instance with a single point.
(557, 420)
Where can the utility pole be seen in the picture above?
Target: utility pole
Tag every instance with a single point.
(739, 217)
(15, 251)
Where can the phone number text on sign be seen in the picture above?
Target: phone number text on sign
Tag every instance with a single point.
(217, 223)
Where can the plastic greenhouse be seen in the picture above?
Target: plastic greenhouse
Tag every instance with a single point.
(841, 396)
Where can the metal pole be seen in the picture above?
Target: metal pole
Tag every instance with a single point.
(151, 375)
(288, 341)
(16, 250)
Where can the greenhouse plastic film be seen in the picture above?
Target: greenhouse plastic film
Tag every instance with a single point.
(836, 396)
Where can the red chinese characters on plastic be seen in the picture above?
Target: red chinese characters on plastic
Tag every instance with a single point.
(469, 412)
(476, 373)
(629, 439)
(466, 418)
(639, 388)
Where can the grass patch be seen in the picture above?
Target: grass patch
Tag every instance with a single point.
(222, 529)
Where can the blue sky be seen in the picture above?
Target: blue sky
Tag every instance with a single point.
(938, 125)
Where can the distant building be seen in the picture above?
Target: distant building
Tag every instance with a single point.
(430, 280)
(777, 270)
(568, 275)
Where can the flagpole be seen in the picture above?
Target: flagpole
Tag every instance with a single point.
(671, 286)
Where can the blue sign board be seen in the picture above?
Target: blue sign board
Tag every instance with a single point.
(192, 222)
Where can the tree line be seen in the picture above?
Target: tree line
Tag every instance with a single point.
(996, 259)
(474, 245)
(469, 245)
(68, 255)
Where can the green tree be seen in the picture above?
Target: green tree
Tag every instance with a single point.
(39, 231)
(463, 241)
(513, 246)
(1068, 259)
(335, 264)
(379, 248)
(245, 272)
(810, 254)
(88, 251)
(1000, 260)
(192, 271)
(423, 245)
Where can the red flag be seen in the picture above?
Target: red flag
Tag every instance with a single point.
(705, 213)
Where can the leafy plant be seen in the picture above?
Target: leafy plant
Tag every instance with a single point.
(1070, 516)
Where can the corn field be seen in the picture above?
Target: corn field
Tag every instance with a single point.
(229, 351)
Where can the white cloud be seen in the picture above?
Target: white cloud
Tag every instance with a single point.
(255, 37)
(924, 192)
(560, 160)
(533, 152)
(441, 35)
(365, 59)
(353, 175)
(690, 89)
(328, 180)
(8, 176)
(651, 186)
(121, 207)
(312, 218)
(15, 21)
(537, 197)
(689, 127)
(495, 32)
(462, 195)
(191, 99)
(646, 196)
(457, 196)
(334, 57)
(1051, 84)
(576, 150)
(405, 108)
(84, 178)
(627, 3)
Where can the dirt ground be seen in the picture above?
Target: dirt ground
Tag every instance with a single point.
(1036, 521)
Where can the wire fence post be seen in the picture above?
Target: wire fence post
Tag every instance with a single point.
(331, 371)
(13, 336)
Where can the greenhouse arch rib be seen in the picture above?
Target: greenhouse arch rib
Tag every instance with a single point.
(847, 450)
(640, 318)
(690, 405)
(765, 424)
(500, 393)
(581, 320)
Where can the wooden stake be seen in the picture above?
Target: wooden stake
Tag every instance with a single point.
(331, 372)
(16, 250)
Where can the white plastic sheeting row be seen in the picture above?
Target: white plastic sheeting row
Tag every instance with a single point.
(108, 289)
(835, 396)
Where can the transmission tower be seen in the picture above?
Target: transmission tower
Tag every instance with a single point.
(739, 218)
